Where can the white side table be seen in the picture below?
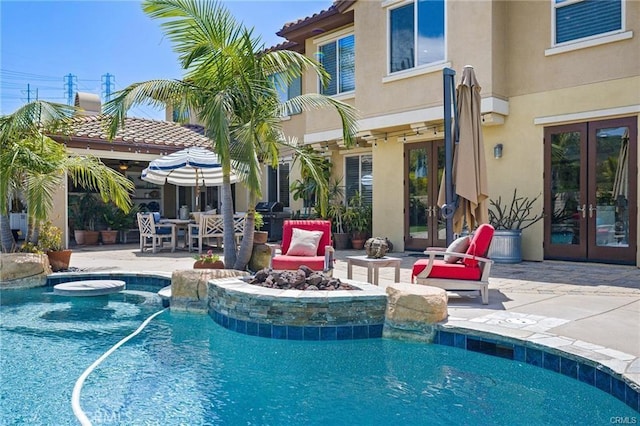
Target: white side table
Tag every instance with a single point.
(373, 266)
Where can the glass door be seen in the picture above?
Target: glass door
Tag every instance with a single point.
(424, 165)
(590, 199)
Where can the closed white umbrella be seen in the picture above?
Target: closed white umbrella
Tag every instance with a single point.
(193, 166)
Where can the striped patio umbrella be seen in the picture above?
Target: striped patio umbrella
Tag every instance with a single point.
(193, 166)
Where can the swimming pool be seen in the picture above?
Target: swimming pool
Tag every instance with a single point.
(186, 369)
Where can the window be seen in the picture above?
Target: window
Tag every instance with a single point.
(416, 34)
(180, 115)
(579, 19)
(359, 177)
(278, 184)
(338, 59)
(286, 92)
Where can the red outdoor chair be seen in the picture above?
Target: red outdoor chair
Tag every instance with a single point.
(459, 271)
(301, 247)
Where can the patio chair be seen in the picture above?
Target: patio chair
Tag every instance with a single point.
(305, 242)
(239, 220)
(153, 234)
(209, 226)
(464, 268)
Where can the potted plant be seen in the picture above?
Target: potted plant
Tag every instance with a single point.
(359, 221)
(337, 214)
(50, 242)
(209, 260)
(509, 219)
(259, 236)
(83, 213)
(116, 220)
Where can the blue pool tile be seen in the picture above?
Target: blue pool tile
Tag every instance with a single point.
(519, 353)
(241, 326)
(375, 330)
(231, 323)
(534, 357)
(360, 331)
(460, 341)
(252, 328)
(295, 332)
(603, 381)
(311, 333)
(344, 332)
(225, 321)
(587, 374)
(446, 338)
(569, 367)
(328, 333)
(551, 362)
(631, 397)
(618, 389)
(264, 330)
(279, 331)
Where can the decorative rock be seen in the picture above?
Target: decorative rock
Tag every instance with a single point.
(22, 270)
(189, 287)
(376, 248)
(415, 307)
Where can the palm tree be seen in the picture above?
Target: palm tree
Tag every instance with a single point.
(33, 164)
(229, 85)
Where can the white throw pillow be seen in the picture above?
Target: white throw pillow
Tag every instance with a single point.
(304, 243)
(459, 245)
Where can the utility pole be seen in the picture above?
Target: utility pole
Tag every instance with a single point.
(28, 92)
(70, 86)
(106, 86)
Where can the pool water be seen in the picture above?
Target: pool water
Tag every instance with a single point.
(186, 369)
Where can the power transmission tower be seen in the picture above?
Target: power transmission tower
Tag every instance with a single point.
(70, 86)
(29, 91)
(106, 86)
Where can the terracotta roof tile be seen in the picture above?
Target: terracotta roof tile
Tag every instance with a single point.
(140, 131)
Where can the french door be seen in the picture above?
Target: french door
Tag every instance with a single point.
(590, 191)
(423, 168)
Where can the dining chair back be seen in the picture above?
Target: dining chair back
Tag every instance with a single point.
(153, 234)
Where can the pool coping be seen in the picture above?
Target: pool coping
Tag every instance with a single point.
(595, 361)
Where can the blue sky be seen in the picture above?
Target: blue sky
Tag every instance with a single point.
(41, 42)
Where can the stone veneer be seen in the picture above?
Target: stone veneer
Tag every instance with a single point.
(296, 314)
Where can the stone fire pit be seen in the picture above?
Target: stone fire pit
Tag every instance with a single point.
(302, 279)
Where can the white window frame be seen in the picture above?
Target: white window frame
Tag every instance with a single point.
(390, 5)
(360, 175)
(589, 41)
(287, 202)
(335, 38)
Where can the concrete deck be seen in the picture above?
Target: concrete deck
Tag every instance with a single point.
(590, 310)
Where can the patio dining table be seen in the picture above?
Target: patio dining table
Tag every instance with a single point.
(181, 225)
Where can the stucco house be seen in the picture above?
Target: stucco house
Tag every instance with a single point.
(560, 110)
(560, 106)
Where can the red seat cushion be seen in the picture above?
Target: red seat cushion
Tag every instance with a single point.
(441, 269)
(480, 243)
(284, 262)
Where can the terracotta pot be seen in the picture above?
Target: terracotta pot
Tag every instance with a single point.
(59, 260)
(260, 237)
(199, 264)
(109, 237)
(88, 238)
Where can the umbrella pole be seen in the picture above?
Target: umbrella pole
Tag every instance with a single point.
(449, 102)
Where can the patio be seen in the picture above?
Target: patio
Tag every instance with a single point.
(590, 310)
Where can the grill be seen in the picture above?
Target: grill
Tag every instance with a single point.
(273, 217)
